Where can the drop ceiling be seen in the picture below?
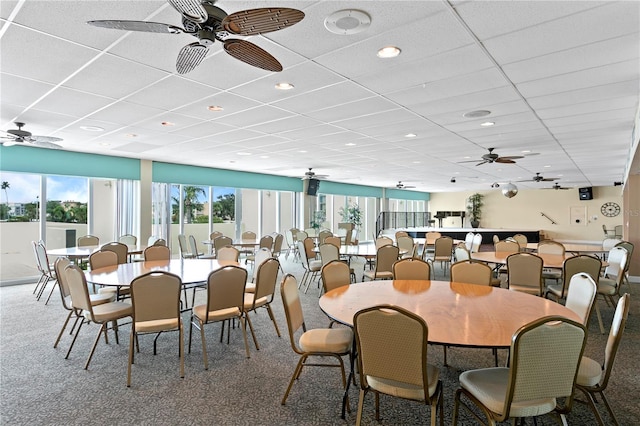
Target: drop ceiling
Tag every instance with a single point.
(560, 78)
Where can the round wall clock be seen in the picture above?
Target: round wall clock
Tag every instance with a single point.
(610, 209)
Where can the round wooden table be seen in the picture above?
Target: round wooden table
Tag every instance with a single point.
(190, 271)
(457, 314)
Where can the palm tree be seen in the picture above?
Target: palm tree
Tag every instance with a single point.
(191, 203)
(5, 186)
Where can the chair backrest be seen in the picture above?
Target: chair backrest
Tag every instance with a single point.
(193, 246)
(443, 247)
(228, 253)
(324, 234)
(401, 234)
(225, 289)
(215, 234)
(265, 278)
(309, 245)
(392, 344)
(590, 265)
(617, 230)
(506, 247)
(615, 336)
(329, 252)
(461, 252)
(156, 296)
(496, 239)
(333, 240)
(525, 270)
(118, 248)
(476, 243)
(60, 264)
(248, 235)
(42, 258)
(277, 244)
(581, 295)
(550, 247)
(261, 255)
(292, 308)
(78, 289)
(303, 254)
(88, 240)
(533, 345)
(220, 242)
(383, 241)
(128, 239)
(102, 259)
(301, 235)
(411, 269)
(471, 272)
(157, 253)
(468, 240)
(610, 243)
(433, 235)
(289, 238)
(386, 256)
(152, 240)
(629, 247)
(160, 242)
(617, 262)
(266, 241)
(336, 273)
(405, 243)
(522, 240)
(184, 248)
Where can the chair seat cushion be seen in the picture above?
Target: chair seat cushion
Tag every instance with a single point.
(607, 286)
(315, 265)
(589, 373)
(248, 301)
(250, 288)
(380, 275)
(525, 289)
(110, 311)
(405, 390)
(200, 312)
(158, 325)
(335, 340)
(556, 290)
(489, 386)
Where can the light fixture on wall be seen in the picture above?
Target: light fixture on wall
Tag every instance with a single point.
(510, 190)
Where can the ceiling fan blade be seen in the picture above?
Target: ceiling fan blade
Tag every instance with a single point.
(504, 160)
(46, 139)
(482, 162)
(143, 26)
(260, 21)
(252, 54)
(45, 144)
(191, 10)
(190, 57)
(468, 161)
(512, 157)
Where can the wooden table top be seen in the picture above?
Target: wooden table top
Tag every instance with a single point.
(240, 243)
(549, 260)
(189, 270)
(457, 314)
(574, 248)
(85, 251)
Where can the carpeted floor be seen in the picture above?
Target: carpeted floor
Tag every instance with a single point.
(39, 387)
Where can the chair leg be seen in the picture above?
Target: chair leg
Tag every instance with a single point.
(131, 344)
(253, 334)
(205, 357)
(103, 328)
(360, 407)
(64, 326)
(51, 292)
(243, 324)
(181, 348)
(599, 317)
(75, 336)
(296, 374)
(273, 318)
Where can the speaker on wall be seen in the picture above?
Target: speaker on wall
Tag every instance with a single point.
(586, 193)
(312, 186)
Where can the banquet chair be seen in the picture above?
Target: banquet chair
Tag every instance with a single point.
(617, 231)
(471, 272)
(290, 239)
(335, 273)
(88, 240)
(442, 253)
(301, 235)
(625, 278)
(118, 248)
(155, 300)
(468, 240)
(506, 246)
(392, 359)
(328, 252)
(608, 244)
(383, 268)
(262, 297)
(324, 234)
(401, 234)
(406, 246)
(461, 252)
(521, 240)
(278, 239)
(333, 240)
(261, 255)
(103, 259)
(44, 267)
(476, 243)
(160, 242)
(185, 253)
(266, 242)
(100, 314)
(524, 273)
(197, 254)
(157, 253)
(65, 296)
(383, 241)
(213, 236)
(411, 269)
(311, 266)
(571, 266)
(317, 342)
(551, 247)
(610, 282)
(152, 240)
(528, 387)
(220, 242)
(128, 239)
(228, 254)
(593, 377)
(581, 295)
(225, 301)
(248, 236)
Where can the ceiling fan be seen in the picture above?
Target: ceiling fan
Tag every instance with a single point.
(538, 178)
(19, 136)
(494, 158)
(209, 23)
(310, 174)
(401, 185)
(557, 186)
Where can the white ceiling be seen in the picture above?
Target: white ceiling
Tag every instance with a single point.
(561, 79)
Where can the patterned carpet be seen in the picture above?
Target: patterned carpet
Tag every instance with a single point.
(39, 387)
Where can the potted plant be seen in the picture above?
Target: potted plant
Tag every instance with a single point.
(351, 214)
(474, 208)
(318, 219)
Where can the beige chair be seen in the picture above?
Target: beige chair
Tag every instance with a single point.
(318, 342)
(324, 234)
(581, 295)
(386, 256)
(406, 246)
(157, 253)
(261, 255)
(383, 241)
(551, 247)
(128, 239)
(328, 252)
(118, 248)
(401, 234)
(44, 267)
(610, 282)
(442, 252)
(625, 278)
(193, 247)
(88, 240)
(183, 245)
(333, 240)
(220, 242)
(160, 242)
(411, 269)
(301, 235)
(528, 387)
(335, 274)
(609, 243)
(225, 302)
(392, 358)
(248, 236)
(104, 259)
(100, 314)
(617, 231)
(228, 254)
(506, 246)
(215, 234)
(290, 239)
(311, 266)
(470, 272)
(155, 300)
(524, 273)
(521, 240)
(593, 377)
(571, 266)
(461, 252)
(265, 280)
(266, 242)
(65, 296)
(278, 239)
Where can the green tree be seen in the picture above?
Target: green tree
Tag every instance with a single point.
(5, 212)
(225, 207)
(30, 211)
(190, 203)
(78, 214)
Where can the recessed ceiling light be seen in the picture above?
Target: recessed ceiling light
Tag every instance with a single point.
(416, 162)
(388, 52)
(167, 123)
(105, 144)
(264, 156)
(302, 151)
(547, 166)
(215, 108)
(347, 22)
(131, 135)
(244, 153)
(526, 151)
(476, 114)
(92, 128)
(350, 144)
(410, 135)
(284, 86)
(487, 124)
(467, 157)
